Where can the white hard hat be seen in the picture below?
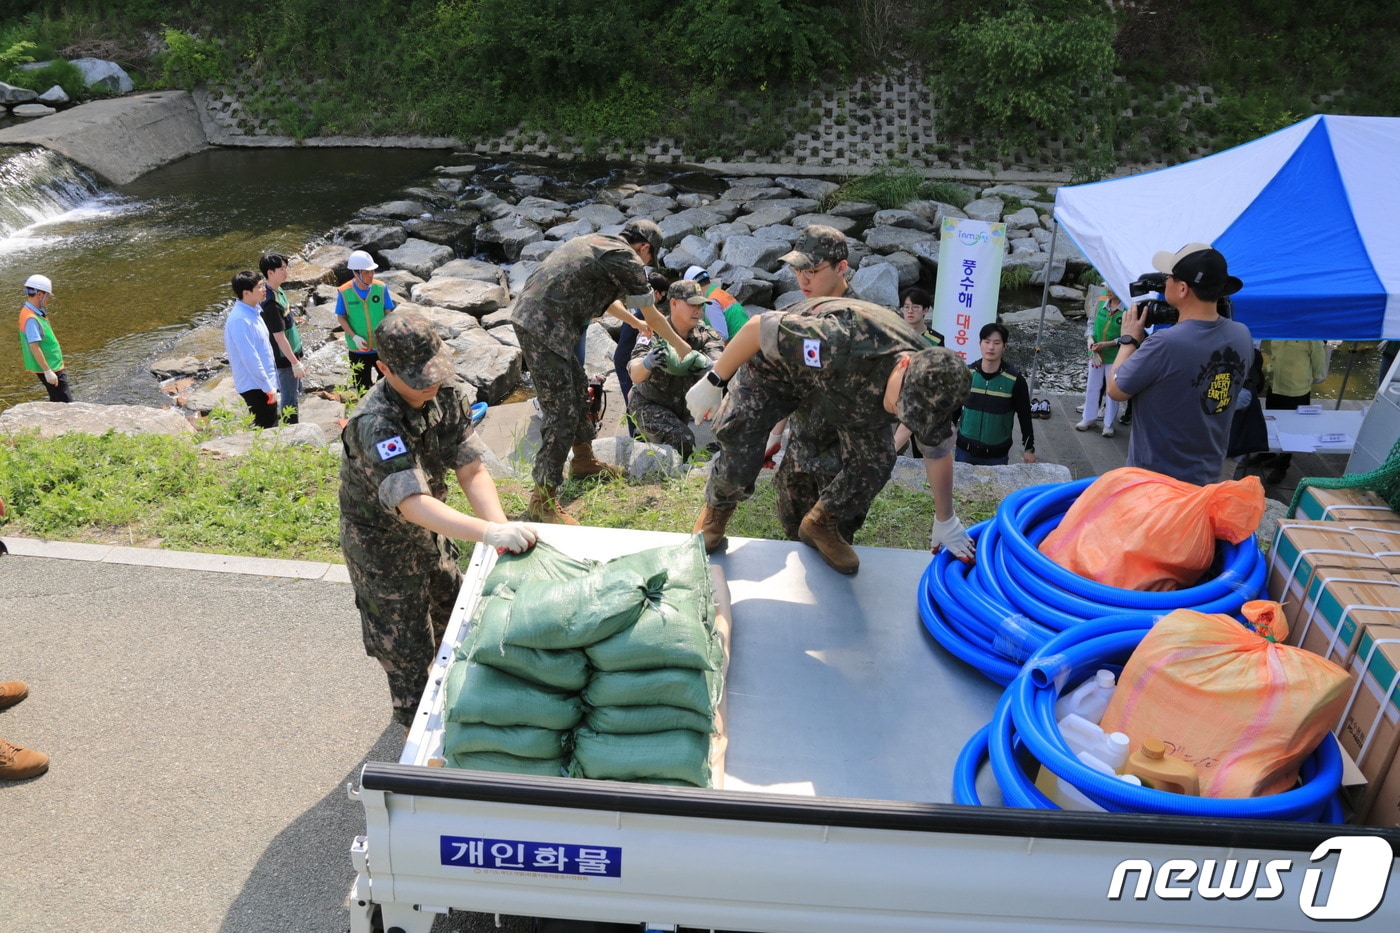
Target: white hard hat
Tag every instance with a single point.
(697, 274)
(360, 260)
(40, 283)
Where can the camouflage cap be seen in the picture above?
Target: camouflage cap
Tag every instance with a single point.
(935, 386)
(410, 346)
(816, 245)
(642, 229)
(687, 291)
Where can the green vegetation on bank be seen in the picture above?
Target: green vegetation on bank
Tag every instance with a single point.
(159, 491)
(1113, 82)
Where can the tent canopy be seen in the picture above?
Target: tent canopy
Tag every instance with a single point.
(1308, 217)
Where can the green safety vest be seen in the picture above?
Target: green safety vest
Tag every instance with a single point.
(362, 315)
(988, 415)
(48, 344)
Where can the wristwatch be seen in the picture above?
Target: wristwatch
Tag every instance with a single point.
(713, 379)
(1128, 340)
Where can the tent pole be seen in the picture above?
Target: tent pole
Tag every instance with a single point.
(1044, 301)
(1342, 392)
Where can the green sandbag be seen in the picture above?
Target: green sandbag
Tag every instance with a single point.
(662, 636)
(689, 689)
(488, 642)
(679, 754)
(541, 562)
(521, 741)
(498, 761)
(577, 613)
(634, 720)
(477, 693)
(689, 589)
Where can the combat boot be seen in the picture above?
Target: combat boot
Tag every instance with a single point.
(17, 763)
(819, 530)
(586, 464)
(711, 525)
(545, 508)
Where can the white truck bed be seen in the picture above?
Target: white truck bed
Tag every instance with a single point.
(844, 720)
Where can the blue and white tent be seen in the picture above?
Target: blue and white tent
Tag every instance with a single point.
(1308, 217)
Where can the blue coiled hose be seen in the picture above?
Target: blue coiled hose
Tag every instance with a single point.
(997, 613)
(1025, 716)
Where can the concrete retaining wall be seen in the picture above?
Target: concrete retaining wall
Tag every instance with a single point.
(120, 139)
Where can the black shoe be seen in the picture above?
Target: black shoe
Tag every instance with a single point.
(1125, 418)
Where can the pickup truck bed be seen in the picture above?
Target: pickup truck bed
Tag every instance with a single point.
(844, 720)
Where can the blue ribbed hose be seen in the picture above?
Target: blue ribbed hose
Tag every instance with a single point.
(1026, 716)
(997, 613)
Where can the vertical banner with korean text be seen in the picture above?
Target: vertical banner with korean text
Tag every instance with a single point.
(969, 282)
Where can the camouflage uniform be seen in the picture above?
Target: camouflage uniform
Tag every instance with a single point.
(572, 286)
(829, 359)
(405, 577)
(657, 406)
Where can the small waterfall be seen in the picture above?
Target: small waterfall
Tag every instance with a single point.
(38, 185)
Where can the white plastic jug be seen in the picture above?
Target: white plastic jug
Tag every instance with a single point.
(1089, 699)
(1070, 797)
(1106, 752)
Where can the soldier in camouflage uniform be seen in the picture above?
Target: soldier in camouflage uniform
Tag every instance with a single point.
(587, 276)
(660, 379)
(395, 529)
(855, 366)
(814, 450)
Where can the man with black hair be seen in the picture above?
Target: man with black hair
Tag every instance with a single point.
(588, 276)
(1184, 381)
(250, 350)
(286, 339)
(998, 398)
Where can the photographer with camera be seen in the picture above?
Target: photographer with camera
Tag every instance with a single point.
(1184, 381)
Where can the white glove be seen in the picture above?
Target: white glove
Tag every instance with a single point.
(51, 377)
(703, 399)
(511, 536)
(361, 344)
(952, 535)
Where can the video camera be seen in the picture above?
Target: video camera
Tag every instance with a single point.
(1155, 311)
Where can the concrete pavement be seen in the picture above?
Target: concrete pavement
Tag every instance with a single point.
(203, 715)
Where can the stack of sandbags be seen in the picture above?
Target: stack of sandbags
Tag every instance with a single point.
(611, 671)
(653, 697)
(512, 692)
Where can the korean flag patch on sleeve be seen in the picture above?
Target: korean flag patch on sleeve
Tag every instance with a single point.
(812, 352)
(391, 448)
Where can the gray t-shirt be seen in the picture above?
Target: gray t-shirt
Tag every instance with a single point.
(1184, 382)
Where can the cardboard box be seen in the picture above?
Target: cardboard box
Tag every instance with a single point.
(1370, 728)
(1341, 601)
(1382, 539)
(1301, 550)
(1343, 505)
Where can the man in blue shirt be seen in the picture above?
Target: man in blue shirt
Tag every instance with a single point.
(249, 350)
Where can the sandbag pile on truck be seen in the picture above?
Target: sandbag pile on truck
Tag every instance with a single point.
(609, 671)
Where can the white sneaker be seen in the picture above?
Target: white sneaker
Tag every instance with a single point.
(1108, 431)
(1079, 408)
(1084, 425)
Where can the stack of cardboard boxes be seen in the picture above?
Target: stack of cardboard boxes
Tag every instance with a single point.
(1336, 570)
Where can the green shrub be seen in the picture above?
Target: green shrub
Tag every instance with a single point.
(190, 61)
(60, 72)
(885, 187)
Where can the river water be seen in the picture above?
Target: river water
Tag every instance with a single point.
(136, 267)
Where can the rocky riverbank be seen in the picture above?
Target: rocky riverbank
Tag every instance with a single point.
(460, 246)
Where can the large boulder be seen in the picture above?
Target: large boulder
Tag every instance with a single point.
(374, 238)
(470, 296)
(9, 94)
(894, 239)
(599, 215)
(397, 210)
(510, 234)
(470, 269)
(813, 188)
(877, 282)
(419, 257)
(691, 251)
(906, 264)
(289, 435)
(753, 251)
(567, 231)
(446, 232)
(51, 419)
(325, 265)
(539, 250)
(719, 233)
(490, 366)
(104, 74)
(844, 224)
(985, 209)
(902, 218)
(776, 213)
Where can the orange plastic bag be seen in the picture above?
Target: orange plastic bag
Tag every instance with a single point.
(1243, 709)
(1139, 530)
